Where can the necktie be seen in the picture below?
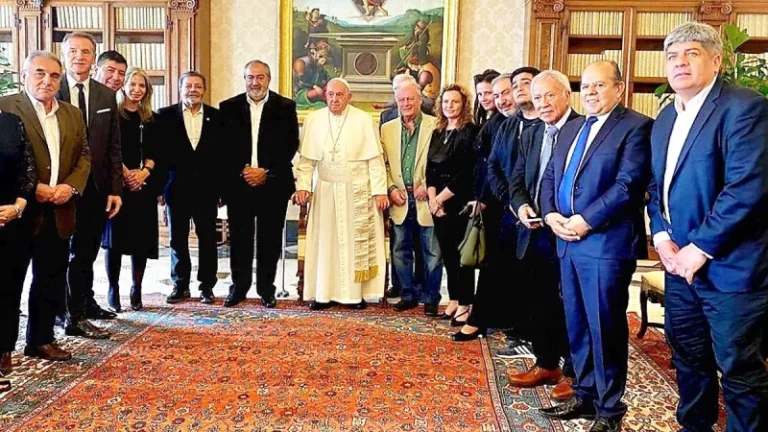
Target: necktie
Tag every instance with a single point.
(565, 192)
(81, 103)
(550, 136)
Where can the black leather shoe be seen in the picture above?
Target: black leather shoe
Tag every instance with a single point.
(606, 425)
(84, 328)
(136, 303)
(465, 337)
(570, 410)
(233, 299)
(358, 306)
(178, 295)
(430, 310)
(393, 292)
(269, 302)
(207, 297)
(96, 312)
(403, 305)
(316, 305)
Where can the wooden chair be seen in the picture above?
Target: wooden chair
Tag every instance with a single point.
(651, 289)
(302, 246)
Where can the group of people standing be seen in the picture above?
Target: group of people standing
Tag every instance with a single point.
(561, 196)
(85, 162)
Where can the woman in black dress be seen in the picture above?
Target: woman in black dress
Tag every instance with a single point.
(450, 167)
(18, 180)
(134, 231)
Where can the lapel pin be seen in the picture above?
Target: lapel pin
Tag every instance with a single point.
(207, 119)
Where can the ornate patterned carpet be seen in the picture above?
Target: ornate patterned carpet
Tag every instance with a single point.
(198, 368)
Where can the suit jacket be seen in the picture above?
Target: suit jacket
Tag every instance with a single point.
(278, 143)
(194, 174)
(74, 156)
(609, 188)
(522, 182)
(103, 136)
(502, 159)
(719, 191)
(391, 138)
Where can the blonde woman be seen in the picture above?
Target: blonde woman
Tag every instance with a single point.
(134, 230)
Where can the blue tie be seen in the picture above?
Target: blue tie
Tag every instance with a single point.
(565, 192)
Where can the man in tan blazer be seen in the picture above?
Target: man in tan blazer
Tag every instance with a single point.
(406, 142)
(57, 134)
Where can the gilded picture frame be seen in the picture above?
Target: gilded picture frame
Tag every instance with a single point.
(365, 42)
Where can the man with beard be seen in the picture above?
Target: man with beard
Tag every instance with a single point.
(263, 135)
(191, 131)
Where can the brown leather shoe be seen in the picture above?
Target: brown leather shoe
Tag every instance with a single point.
(6, 366)
(563, 390)
(535, 376)
(47, 352)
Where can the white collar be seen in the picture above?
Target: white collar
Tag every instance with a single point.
(73, 82)
(563, 120)
(694, 105)
(186, 108)
(602, 117)
(253, 103)
(40, 108)
(343, 113)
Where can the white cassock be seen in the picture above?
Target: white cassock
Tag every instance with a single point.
(345, 257)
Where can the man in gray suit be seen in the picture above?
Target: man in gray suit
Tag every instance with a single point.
(101, 199)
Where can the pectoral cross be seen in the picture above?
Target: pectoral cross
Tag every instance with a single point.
(334, 152)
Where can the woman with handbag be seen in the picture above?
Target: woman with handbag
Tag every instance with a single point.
(450, 167)
(134, 231)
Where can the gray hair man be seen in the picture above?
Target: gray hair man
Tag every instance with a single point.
(708, 200)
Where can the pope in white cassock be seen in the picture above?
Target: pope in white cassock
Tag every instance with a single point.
(345, 254)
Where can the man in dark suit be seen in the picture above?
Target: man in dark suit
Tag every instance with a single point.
(57, 134)
(540, 273)
(709, 219)
(191, 131)
(594, 188)
(263, 136)
(102, 200)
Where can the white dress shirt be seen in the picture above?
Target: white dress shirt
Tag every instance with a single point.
(601, 119)
(50, 124)
(257, 108)
(74, 94)
(686, 115)
(193, 123)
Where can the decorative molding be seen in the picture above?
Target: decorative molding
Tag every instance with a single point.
(30, 5)
(548, 8)
(184, 5)
(715, 11)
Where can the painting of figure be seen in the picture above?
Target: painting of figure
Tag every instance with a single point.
(366, 42)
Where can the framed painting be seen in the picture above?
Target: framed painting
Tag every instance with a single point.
(366, 42)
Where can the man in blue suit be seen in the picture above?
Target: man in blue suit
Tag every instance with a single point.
(709, 218)
(592, 198)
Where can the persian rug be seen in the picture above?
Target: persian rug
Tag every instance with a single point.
(193, 367)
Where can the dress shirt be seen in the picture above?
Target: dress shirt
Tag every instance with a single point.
(592, 134)
(193, 123)
(559, 125)
(408, 145)
(686, 115)
(257, 108)
(50, 124)
(74, 93)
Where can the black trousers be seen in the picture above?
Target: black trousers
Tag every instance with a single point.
(461, 280)
(268, 230)
(540, 269)
(203, 213)
(49, 254)
(84, 248)
(14, 241)
(499, 279)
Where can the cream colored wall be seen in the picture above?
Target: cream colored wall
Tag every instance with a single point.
(491, 35)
